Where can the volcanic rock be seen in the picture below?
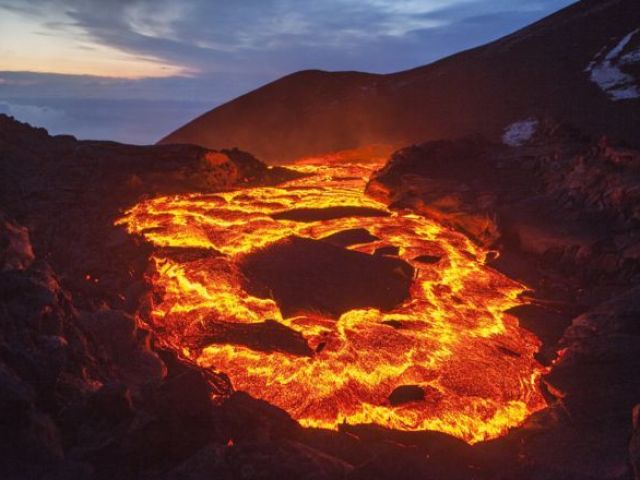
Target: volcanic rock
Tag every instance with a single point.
(560, 197)
(329, 213)
(111, 403)
(84, 394)
(117, 333)
(267, 336)
(593, 376)
(206, 463)
(406, 394)
(547, 323)
(346, 238)
(387, 250)
(596, 389)
(244, 418)
(15, 246)
(451, 181)
(69, 193)
(394, 324)
(562, 209)
(432, 455)
(283, 459)
(427, 259)
(45, 361)
(310, 275)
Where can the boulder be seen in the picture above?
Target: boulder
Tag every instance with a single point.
(328, 213)
(15, 247)
(406, 394)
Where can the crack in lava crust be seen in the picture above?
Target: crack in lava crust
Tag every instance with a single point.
(452, 338)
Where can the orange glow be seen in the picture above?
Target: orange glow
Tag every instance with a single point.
(473, 361)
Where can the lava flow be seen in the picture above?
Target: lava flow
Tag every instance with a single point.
(451, 341)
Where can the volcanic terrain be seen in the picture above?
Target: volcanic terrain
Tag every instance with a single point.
(443, 282)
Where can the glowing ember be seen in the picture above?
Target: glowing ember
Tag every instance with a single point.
(448, 359)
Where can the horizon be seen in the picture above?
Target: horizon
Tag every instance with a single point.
(132, 73)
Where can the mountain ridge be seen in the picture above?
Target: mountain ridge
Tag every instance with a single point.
(540, 70)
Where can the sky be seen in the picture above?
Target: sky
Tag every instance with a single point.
(134, 70)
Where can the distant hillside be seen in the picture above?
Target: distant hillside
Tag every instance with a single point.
(580, 65)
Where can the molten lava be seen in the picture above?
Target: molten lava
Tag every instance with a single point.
(467, 365)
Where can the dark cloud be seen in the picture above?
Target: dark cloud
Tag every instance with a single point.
(230, 47)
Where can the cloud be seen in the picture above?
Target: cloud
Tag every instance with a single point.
(210, 51)
(206, 37)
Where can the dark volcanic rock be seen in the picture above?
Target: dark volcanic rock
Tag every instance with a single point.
(411, 465)
(430, 455)
(547, 323)
(267, 336)
(329, 213)
(450, 181)
(595, 389)
(208, 462)
(69, 193)
(82, 391)
(111, 403)
(283, 459)
(118, 335)
(562, 209)
(307, 275)
(406, 394)
(15, 247)
(244, 418)
(176, 422)
(568, 199)
(346, 238)
(394, 324)
(428, 259)
(46, 362)
(82, 394)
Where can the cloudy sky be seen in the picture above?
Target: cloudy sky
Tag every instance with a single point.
(133, 70)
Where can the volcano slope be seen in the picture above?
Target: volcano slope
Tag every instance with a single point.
(579, 66)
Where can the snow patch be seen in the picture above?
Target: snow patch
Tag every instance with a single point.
(606, 72)
(519, 133)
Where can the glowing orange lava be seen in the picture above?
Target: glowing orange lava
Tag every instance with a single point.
(473, 361)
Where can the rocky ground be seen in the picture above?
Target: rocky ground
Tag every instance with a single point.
(562, 210)
(86, 393)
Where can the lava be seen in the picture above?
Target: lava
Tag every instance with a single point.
(452, 339)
